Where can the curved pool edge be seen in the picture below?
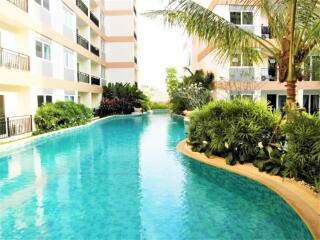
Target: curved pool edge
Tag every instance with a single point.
(307, 208)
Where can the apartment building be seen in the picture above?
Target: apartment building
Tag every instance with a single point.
(238, 76)
(62, 50)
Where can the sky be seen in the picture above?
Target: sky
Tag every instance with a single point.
(159, 47)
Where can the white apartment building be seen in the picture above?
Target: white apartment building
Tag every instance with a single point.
(53, 50)
(239, 76)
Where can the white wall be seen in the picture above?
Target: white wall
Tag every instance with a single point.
(120, 52)
(119, 25)
(119, 4)
(124, 75)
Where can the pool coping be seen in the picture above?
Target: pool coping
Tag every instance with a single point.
(307, 207)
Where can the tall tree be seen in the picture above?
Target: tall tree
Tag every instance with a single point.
(294, 24)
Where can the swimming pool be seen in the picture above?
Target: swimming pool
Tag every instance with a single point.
(122, 178)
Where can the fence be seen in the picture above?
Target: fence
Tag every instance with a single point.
(14, 126)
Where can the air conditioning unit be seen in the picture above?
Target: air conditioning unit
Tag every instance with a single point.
(264, 78)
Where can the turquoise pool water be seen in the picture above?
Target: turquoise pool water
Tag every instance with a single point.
(123, 179)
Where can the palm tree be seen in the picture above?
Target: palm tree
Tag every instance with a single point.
(294, 24)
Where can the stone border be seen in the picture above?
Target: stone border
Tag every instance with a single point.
(302, 199)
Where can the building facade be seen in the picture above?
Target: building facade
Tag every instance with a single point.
(238, 76)
(57, 50)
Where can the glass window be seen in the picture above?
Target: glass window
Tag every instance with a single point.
(247, 61)
(247, 18)
(38, 49)
(68, 17)
(236, 60)
(38, 1)
(306, 102)
(272, 100)
(69, 98)
(282, 99)
(235, 18)
(314, 107)
(68, 56)
(46, 4)
(40, 101)
(47, 51)
(48, 99)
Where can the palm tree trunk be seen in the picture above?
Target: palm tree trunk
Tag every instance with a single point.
(291, 80)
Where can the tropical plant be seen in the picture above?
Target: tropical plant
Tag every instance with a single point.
(159, 105)
(54, 116)
(236, 129)
(122, 98)
(192, 92)
(294, 25)
(302, 160)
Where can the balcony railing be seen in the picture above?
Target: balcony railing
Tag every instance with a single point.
(83, 7)
(94, 50)
(82, 41)
(22, 4)
(135, 36)
(95, 80)
(83, 77)
(13, 126)
(135, 60)
(266, 32)
(94, 19)
(11, 59)
(241, 73)
(135, 10)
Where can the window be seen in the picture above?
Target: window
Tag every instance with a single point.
(68, 59)
(241, 60)
(282, 99)
(276, 101)
(43, 99)
(311, 103)
(44, 3)
(312, 68)
(43, 50)
(69, 98)
(241, 95)
(241, 18)
(68, 17)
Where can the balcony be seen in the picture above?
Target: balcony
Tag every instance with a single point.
(266, 32)
(94, 19)
(94, 50)
(14, 126)
(83, 7)
(11, 59)
(83, 77)
(22, 4)
(82, 41)
(95, 80)
(241, 74)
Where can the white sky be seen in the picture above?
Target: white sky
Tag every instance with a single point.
(159, 47)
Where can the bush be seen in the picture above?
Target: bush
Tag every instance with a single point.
(190, 93)
(232, 129)
(54, 116)
(159, 105)
(122, 98)
(302, 160)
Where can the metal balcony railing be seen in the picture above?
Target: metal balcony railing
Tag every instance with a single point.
(95, 80)
(13, 126)
(12, 59)
(135, 60)
(82, 41)
(241, 73)
(83, 77)
(22, 4)
(83, 7)
(94, 19)
(135, 10)
(135, 36)
(94, 50)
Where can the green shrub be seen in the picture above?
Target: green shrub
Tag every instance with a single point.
(54, 116)
(302, 160)
(159, 105)
(232, 129)
(119, 98)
